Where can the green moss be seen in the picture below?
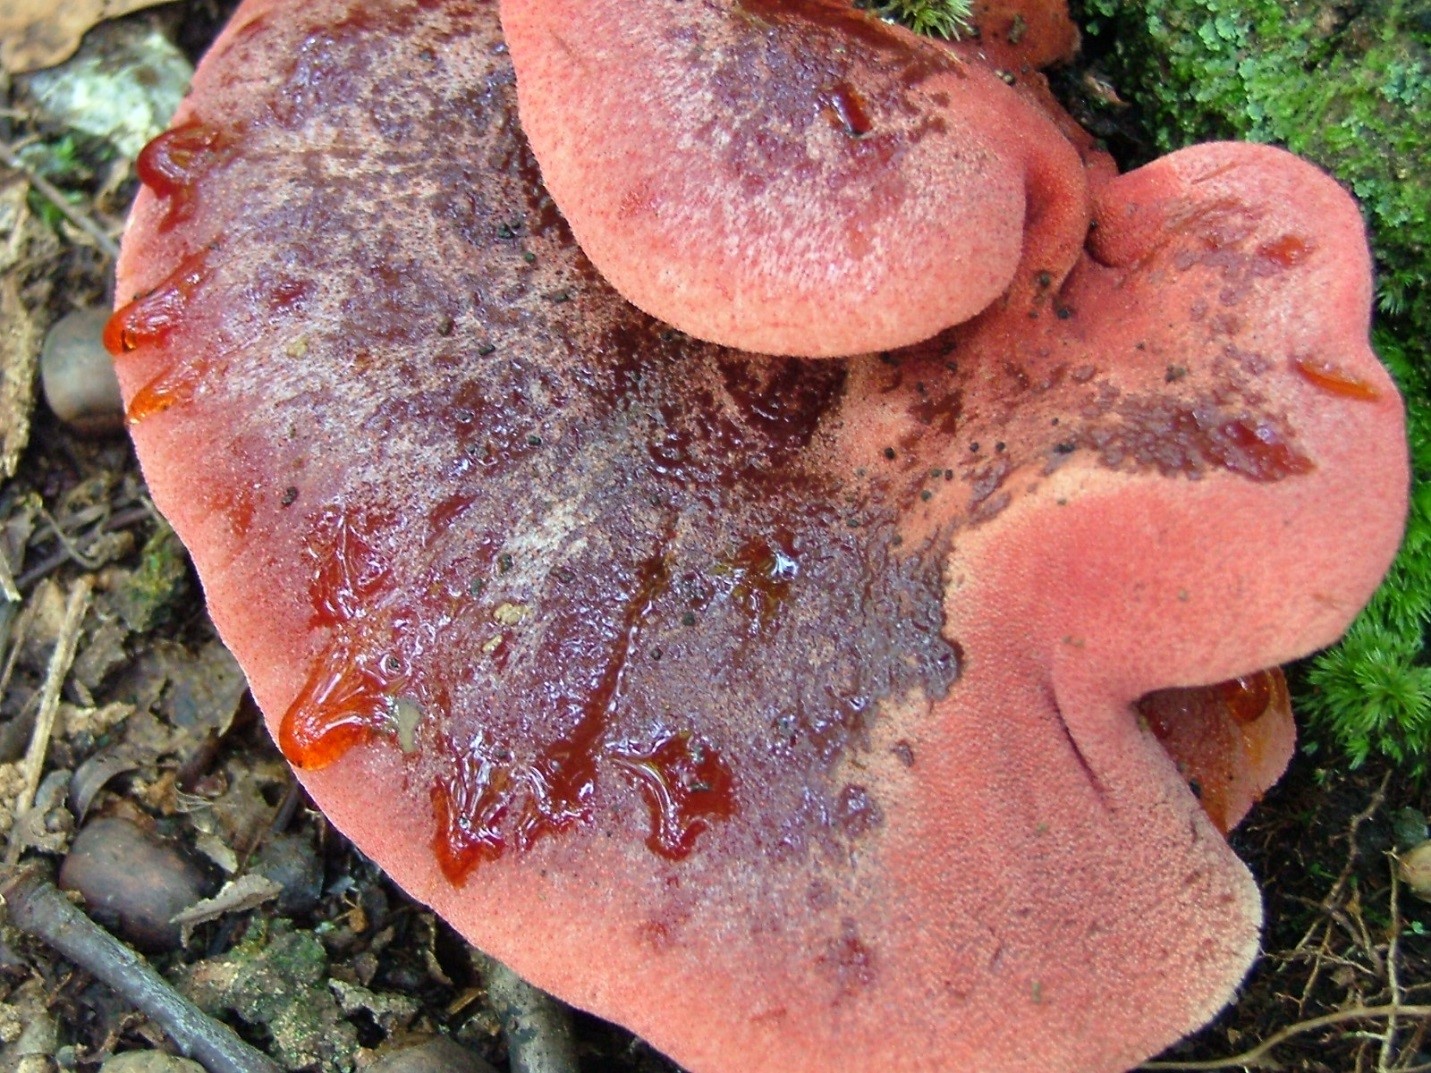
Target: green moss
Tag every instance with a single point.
(1348, 87)
(150, 595)
(277, 979)
(937, 18)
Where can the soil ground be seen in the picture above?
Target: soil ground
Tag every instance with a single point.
(154, 731)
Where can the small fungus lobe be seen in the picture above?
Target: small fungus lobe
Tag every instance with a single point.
(799, 177)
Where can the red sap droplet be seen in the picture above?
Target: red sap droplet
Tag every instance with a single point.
(349, 570)
(469, 803)
(850, 110)
(1256, 449)
(764, 572)
(1221, 736)
(165, 390)
(490, 803)
(173, 164)
(152, 317)
(1332, 378)
(344, 703)
(564, 775)
(1287, 250)
(686, 785)
(1250, 699)
(1246, 698)
(563, 780)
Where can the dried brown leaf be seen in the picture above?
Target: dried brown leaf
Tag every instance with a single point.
(237, 896)
(42, 33)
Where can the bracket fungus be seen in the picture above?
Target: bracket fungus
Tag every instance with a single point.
(785, 711)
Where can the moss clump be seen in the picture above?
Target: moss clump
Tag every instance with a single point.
(276, 979)
(150, 595)
(937, 18)
(1348, 87)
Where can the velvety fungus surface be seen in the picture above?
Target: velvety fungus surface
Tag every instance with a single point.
(782, 710)
(792, 176)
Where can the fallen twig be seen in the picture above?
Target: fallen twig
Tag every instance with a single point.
(7, 582)
(56, 197)
(1393, 977)
(60, 660)
(18, 629)
(66, 552)
(1334, 896)
(36, 906)
(1255, 1056)
(536, 1027)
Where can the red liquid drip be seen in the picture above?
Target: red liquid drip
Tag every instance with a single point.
(1286, 251)
(345, 703)
(851, 111)
(488, 803)
(1256, 450)
(1220, 734)
(686, 785)
(1248, 698)
(173, 164)
(764, 573)
(175, 386)
(469, 806)
(1246, 445)
(349, 571)
(1253, 698)
(564, 776)
(153, 317)
(1331, 378)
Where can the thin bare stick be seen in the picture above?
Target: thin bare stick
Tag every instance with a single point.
(56, 197)
(19, 630)
(1254, 1056)
(36, 906)
(67, 542)
(55, 675)
(1393, 979)
(1333, 898)
(7, 582)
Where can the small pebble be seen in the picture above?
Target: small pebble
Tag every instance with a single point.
(1414, 867)
(77, 374)
(133, 882)
(291, 861)
(435, 1055)
(1408, 828)
(149, 1062)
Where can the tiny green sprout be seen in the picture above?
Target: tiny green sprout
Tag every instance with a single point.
(933, 18)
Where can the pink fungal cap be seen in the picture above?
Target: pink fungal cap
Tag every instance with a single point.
(1021, 36)
(830, 679)
(791, 176)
